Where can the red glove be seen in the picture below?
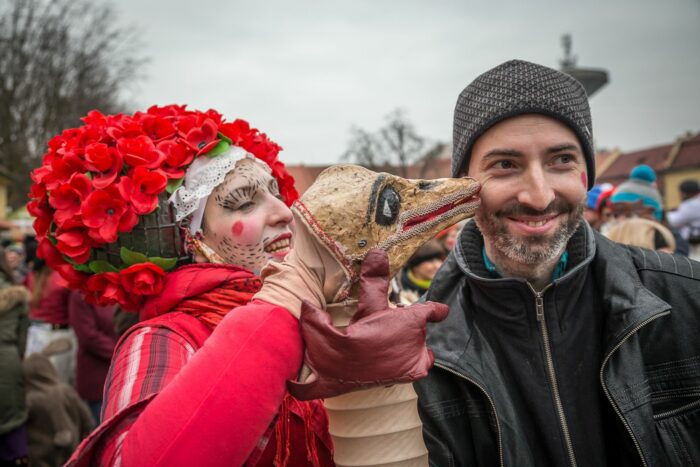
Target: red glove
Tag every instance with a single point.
(380, 346)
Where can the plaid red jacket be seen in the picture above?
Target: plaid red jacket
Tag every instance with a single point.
(179, 394)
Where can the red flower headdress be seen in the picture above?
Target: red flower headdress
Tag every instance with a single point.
(98, 180)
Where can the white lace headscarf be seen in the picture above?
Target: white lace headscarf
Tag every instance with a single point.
(202, 176)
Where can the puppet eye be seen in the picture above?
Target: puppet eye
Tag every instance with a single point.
(388, 205)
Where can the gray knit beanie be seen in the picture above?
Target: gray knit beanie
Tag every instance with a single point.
(514, 88)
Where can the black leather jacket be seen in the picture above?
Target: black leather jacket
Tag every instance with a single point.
(649, 358)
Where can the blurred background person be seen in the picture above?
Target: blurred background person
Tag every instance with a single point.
(94, 329)
(30, 245)
(639, 196)
(604, 209)
(48, 312)
(58, 419)
(643, 233)
(415, 278)
(687, 217)
(448, 237)
(13, 332)
(14, 252)
(591, 212)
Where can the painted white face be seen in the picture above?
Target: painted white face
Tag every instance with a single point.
(534, 184)
(245, 219)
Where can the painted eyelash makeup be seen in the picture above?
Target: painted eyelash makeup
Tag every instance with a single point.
(236, 197)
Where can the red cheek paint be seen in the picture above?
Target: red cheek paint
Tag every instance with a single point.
(584, 179)
(237, 228)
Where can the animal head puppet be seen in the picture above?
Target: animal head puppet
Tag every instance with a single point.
(350, 210)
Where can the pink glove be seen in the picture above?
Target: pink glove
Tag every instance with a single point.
(381, 345)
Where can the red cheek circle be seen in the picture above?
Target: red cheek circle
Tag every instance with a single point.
(237, 228)
(584, 179)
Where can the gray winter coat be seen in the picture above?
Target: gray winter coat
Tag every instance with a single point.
(14, 323)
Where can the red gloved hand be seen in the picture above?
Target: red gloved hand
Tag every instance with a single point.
(380, 346)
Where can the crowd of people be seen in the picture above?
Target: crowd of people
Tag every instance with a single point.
(56, 353)
(175, 313)
(633, 214)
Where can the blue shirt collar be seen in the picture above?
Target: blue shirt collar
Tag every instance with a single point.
(556, 274)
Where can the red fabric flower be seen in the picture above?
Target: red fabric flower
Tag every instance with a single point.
(202, 139)
(140, 151)
(46, 251)
(214, 116)
(57, 170)
(142, 188)
(171, 110)
(74, 243)
(68, 197)
(41, 225)
(236, 131)
(95, 118)
(105, 162)
(106, 213)
(156, 127)
(106, 287)
(74, 279)
(39, 208)
(143, 279)
(177, 157)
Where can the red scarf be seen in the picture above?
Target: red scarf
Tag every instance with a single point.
(228, 292)
(211, 307)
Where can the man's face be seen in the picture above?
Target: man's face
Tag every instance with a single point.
(534, 184)
(245, 220)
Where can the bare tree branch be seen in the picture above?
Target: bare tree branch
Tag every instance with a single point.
(59, 59)
(393, 147)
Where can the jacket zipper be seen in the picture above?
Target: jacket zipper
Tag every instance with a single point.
(607, 392)
(539, 307)
(493, 406)
(676, 411)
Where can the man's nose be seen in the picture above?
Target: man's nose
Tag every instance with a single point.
(536, 191)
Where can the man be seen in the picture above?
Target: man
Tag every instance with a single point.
(687, 217)
(561, 347)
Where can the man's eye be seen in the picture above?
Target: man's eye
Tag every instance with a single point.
(503, 165)
(564, 159)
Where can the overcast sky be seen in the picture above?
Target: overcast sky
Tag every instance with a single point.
(306, 71)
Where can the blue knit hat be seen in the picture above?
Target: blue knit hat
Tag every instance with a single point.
(640, 186)
(594, 195)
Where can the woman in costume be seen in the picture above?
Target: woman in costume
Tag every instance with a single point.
(202, 379)
(195, 382)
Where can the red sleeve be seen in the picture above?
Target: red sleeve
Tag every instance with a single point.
(214, 406)
(54, 304)
(82, 318)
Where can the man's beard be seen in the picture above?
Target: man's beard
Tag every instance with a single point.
(530, 250)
